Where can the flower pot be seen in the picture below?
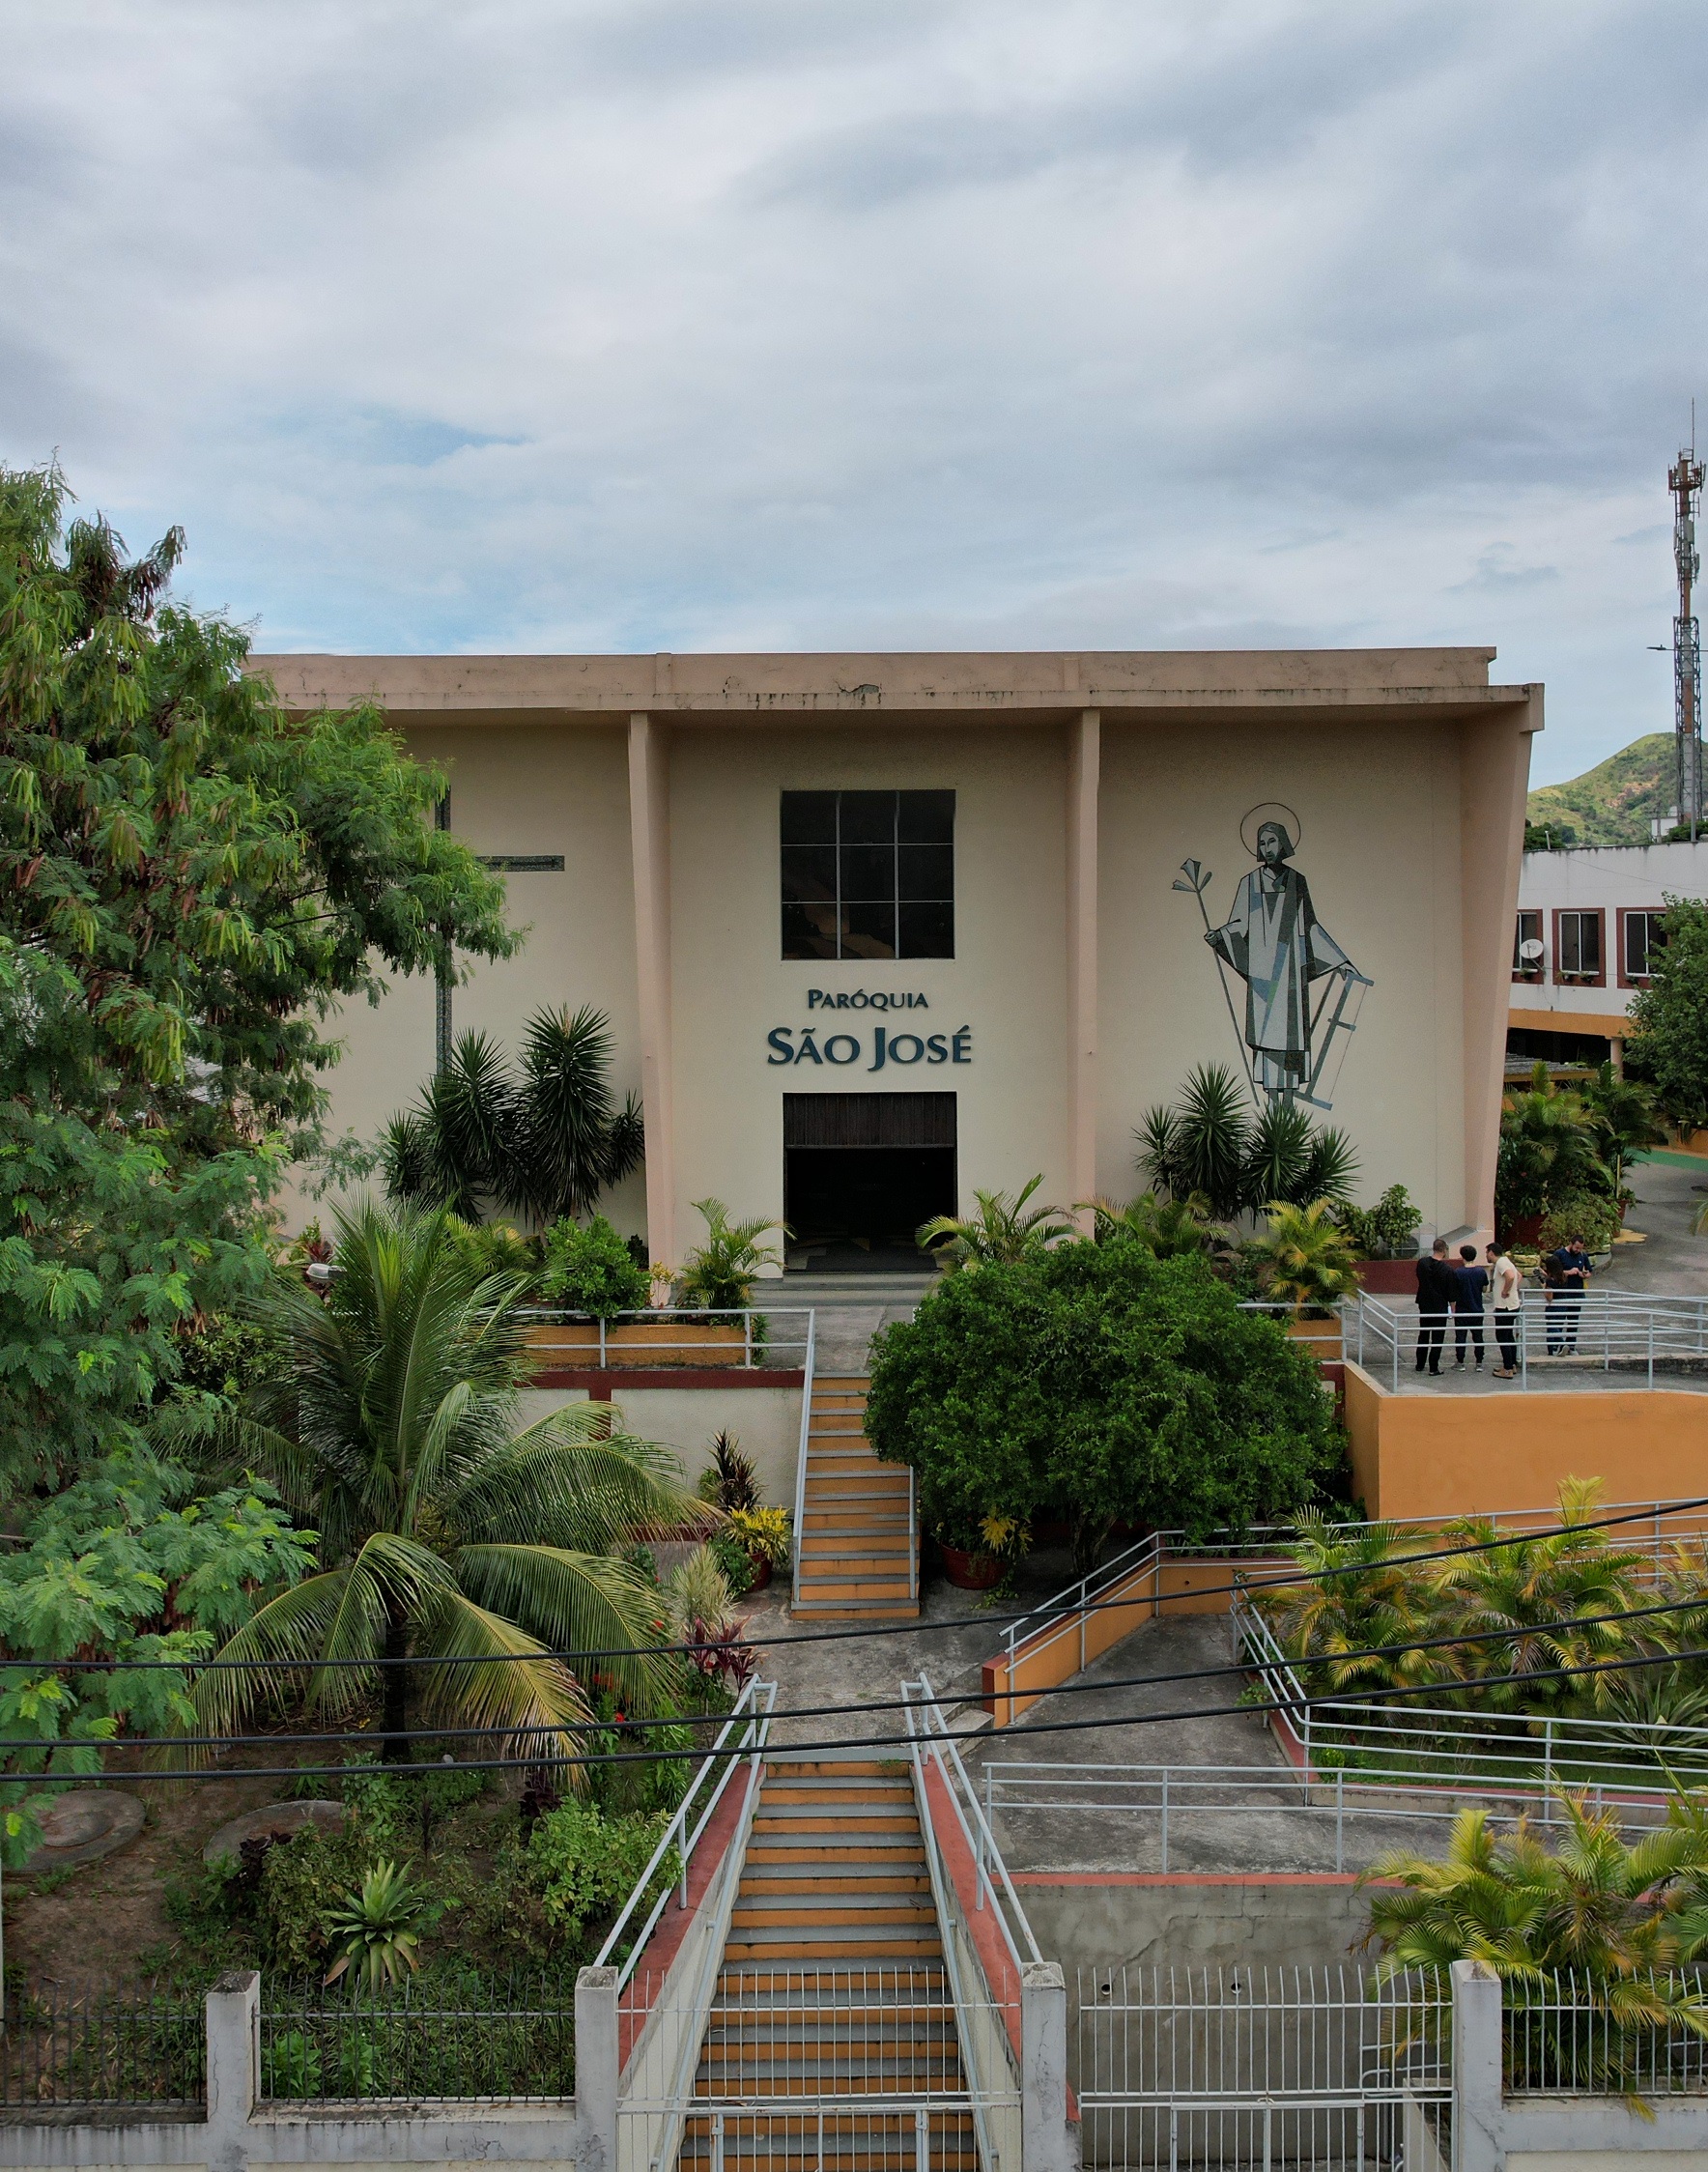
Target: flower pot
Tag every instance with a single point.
(760, 1565)
(971, 1572)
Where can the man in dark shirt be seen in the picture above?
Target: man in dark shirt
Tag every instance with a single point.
(1435, 1299)
(1567, 1272)
(1470, 1285)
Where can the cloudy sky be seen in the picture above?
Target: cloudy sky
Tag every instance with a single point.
(752, 323)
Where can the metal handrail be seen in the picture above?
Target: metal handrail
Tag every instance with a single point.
(701, 1316)
(755, 1725)
(932, 1736)
(810, 1366)
(1439, 1737)
(1629, 1329)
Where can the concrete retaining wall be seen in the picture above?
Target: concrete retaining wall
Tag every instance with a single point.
(1107, 1919)
(765, 1420)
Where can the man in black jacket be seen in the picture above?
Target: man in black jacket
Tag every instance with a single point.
(1436, 1292)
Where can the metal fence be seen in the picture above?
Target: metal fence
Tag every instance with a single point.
(823, 2067)
(1622, 1331)
(511, 2043)
(113, 2041)
(1310, 2068)
(1564, 2035)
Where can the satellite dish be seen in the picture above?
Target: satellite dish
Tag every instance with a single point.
(1531, 948)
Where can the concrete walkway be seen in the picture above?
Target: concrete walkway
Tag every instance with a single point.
(1673, 1262)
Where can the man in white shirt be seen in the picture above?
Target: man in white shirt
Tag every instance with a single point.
(1509, 1301)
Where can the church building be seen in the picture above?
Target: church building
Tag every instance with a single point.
(874, 931)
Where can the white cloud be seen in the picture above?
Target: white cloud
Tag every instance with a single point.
(698, 323)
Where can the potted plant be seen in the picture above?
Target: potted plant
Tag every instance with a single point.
(977, 1557)
(1305, 1260)
(1384, 1241)
(762, 1533)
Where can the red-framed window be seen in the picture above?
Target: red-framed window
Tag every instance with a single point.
(1639, 942)
(1580, 946)
(1529, 954)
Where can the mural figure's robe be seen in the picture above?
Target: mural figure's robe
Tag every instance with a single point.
(1273, 940)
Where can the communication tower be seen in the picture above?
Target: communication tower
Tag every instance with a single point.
(1684, 479)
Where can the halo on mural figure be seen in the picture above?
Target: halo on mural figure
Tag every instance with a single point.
(1271, 811)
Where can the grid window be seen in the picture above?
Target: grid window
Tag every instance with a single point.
(1527, 947)
(1643, 941)
(868, 874)
(1579, 953)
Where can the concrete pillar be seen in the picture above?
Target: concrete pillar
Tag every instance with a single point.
(1616, 1054)
(649, 845)
(234, 2066)
(595, 2069)
(1476, 2068)
(1047, 2143)
(1085, 758)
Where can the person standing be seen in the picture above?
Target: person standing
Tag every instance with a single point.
(1509, 1306)
(1568, 1271)
(1435, 1301)
(1470, 1285)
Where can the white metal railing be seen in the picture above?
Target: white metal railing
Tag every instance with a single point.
(767, 1338)
(815, 2066)
(809, 1364)
(1622, 1331)
(1323, 1339)
(985, 1938)
(749, 1725)
(1407, 1743)
(1561, 2038)
(1161, 1799)
(1248, 2067)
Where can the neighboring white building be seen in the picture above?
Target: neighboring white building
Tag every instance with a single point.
(1587, 928)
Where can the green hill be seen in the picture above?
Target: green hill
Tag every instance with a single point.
(1611, 804)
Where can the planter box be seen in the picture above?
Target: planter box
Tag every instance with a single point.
(1388, 1278)
(971, 1572)
(573, 1345)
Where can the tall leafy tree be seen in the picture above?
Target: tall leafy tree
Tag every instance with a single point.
(189, 881)
(1671, 1014)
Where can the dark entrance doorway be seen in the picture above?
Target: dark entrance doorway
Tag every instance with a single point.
(861, 1172)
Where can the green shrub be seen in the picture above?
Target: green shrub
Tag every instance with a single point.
(1102, 1384)
(567, 1882)
(1388, 1230)
(305, 1882)
(394, 1803)
(592, 1271)
(1588, 1214)
(732, 1557)
(290, 2065)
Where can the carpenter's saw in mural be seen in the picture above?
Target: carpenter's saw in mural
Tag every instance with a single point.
(1303, 991)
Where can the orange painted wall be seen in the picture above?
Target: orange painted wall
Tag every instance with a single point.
(1458, 1455)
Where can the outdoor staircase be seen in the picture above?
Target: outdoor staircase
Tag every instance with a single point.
(833, 1995)
(858, 1544)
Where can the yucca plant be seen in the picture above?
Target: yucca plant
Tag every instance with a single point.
(1001, 1232)
(544, 1140)
(376, 1928)
(1212, 1147)
(444, 1531)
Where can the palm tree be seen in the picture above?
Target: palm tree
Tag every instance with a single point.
(543, 1141)
(1524, 1589)
(1001, 1233)
(444, 1533)
(1168, 1228)
(1618, 1915)
(1625, 1121)
(1305, 1259)
(720, 1274)
(1548, 1151)
(1358, 1593)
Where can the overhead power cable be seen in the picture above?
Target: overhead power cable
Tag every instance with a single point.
(511, 1731)
(1288, 1582)
(567, 1760)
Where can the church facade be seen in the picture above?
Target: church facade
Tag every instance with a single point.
(874, 931)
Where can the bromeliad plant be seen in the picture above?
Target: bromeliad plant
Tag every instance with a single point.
(377, 1930)
(446, 1533)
